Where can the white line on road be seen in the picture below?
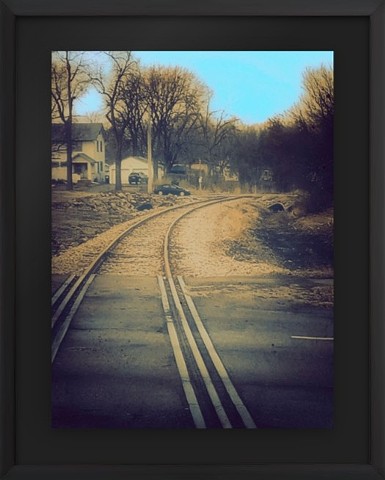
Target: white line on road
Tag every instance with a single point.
(299, 337)
(222, 372)
(181, 364)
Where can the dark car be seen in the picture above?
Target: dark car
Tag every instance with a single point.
(171, 190)
(137, 178)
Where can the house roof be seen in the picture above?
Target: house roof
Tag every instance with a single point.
(131, 159)
(83, 156)
(80, 131)
(140, 159)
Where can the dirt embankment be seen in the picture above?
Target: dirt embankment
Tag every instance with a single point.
(304, 243)
(299, 243)
(245, 237)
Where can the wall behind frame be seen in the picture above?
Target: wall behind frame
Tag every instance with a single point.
(36, 37)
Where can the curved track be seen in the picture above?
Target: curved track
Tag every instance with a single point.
(212, 398)
(199, 349)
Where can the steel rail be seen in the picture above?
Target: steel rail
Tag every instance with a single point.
(215, 359)
(82, 282)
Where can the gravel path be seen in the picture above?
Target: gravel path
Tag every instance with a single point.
(201, 242)
(141, 252)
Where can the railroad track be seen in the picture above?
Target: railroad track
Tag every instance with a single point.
(212, 399)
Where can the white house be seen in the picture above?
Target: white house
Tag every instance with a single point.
(130, 165)
(88, 155)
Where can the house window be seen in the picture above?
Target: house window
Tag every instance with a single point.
(99, 146)
(101, 166)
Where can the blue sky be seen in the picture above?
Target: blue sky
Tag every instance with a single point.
(250, 85)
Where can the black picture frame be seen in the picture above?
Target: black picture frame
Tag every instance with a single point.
(13, 10)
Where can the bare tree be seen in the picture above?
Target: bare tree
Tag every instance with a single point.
(136, 106)
(216, 129)
(297, 146)
(174, 98)
(113, 87)
(315, 119)
(315, 108)
(69, 81)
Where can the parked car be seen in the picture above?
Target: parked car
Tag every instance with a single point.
(168, 189)
(136, 178)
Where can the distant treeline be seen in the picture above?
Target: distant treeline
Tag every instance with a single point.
(296, 147)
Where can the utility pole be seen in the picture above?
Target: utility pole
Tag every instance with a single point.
(150, 187)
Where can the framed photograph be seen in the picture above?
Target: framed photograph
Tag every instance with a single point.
(174, 210)
(192, 240)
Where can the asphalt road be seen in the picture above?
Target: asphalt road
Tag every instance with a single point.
(116, 367)
(278, 353)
